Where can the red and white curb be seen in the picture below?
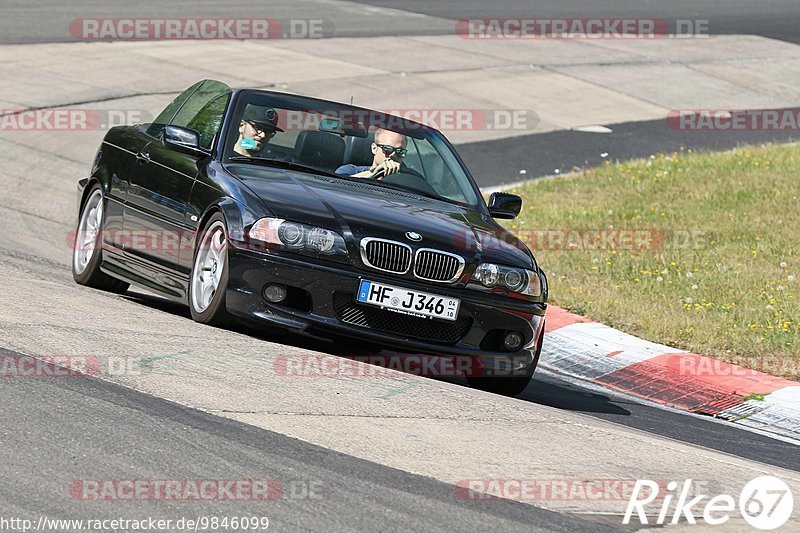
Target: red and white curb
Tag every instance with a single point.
(583, 349)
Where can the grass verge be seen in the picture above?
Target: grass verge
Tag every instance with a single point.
(695, 250)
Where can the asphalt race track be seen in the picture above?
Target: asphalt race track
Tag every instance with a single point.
(118, 430)
(775, 18)
(351, 453)
(44, 21)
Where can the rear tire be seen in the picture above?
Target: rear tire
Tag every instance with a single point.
(87, 247)
(209, 278)
(511, 385)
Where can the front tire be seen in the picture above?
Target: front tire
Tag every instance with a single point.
(209, 278)
(87, 247)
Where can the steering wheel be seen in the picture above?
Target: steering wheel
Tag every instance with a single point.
(403, 170)
(407, 178)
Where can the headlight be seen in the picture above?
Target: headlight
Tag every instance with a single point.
(513, 279)
(298, 237)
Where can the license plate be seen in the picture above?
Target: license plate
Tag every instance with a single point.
(408, 302)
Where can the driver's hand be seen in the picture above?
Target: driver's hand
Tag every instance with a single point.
(387, 167)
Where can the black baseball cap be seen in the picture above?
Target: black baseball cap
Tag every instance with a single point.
(263, 117)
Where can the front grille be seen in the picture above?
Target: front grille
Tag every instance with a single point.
(388, 256)
(433, 265)
(375, 318)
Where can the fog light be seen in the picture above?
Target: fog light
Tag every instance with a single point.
(513, 341)
(275, 293)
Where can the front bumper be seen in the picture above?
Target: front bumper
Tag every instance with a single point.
(322, 304)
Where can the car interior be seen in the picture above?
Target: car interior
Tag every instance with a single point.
(321, 149)
(330, 146)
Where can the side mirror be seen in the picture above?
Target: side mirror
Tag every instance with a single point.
(183, 140)
(504, 205)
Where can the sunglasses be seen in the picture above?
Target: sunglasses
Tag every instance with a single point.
(389, 150)
(265, 132)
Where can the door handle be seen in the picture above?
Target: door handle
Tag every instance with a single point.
(143, 157)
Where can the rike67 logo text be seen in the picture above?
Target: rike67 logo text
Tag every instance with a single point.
(765, 503)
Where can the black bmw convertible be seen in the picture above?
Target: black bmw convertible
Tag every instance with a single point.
(315, 217)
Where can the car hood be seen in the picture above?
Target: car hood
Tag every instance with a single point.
(358, 210)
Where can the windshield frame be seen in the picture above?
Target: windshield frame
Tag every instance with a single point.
(242, 97)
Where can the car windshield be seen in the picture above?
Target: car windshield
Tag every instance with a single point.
(305, 134)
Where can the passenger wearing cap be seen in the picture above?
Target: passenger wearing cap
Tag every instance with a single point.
(257, 127)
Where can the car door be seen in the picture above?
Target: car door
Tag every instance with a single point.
(115, 161)
(118, 158)
(155, 211)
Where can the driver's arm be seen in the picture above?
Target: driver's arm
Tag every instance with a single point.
(363, 174)
(385, 168)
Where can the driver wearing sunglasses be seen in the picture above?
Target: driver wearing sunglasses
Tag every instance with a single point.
(388, 151)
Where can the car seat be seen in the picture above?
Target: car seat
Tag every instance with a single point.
(319, 149)
(358, 150)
